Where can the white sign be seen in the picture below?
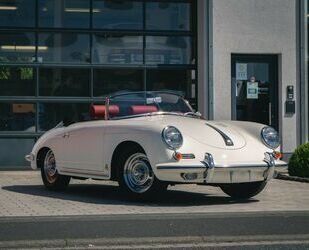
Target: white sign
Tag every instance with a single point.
(241, 71)
(252, 90)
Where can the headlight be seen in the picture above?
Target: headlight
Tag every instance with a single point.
(172, 137)
(270, 137)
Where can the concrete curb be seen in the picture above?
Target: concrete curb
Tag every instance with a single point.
(147, 242)
(291, 178)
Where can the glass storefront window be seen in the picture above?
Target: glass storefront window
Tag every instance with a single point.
(17, 117)
(17, 47)
(173, 80)
(168, 50)
(64, 82)
(13, 151)
(64, 48)
(17, 81)
(50, 114)
(115, 15)
(56, 55)
(107, 81)
(117, 49)
(19, 13)
(64, 13)
(164, 15)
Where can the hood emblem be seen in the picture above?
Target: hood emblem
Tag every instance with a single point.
(228, 141)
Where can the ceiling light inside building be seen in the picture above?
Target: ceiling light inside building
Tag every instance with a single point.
(8, 8)
(81, 10)
(22, 48)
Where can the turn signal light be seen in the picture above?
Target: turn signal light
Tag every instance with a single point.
(177, 156)
(278, 155)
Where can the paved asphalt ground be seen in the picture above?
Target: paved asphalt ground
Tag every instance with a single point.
(96, 215)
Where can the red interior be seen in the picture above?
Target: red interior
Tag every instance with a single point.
(98, 111)
(142, 109)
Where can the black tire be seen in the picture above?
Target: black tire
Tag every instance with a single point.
(151, 188)
(51, 178)
(243, 190)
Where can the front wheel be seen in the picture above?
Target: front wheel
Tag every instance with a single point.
(50, 176)
(136, 176)
(243, 190)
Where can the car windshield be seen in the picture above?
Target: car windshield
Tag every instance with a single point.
(139, 103)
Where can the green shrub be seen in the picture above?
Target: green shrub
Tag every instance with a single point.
(299, 161)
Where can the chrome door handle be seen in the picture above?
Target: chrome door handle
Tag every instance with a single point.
(66, 135)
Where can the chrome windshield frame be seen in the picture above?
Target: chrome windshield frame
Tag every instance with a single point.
(153, 114)
(108, 99)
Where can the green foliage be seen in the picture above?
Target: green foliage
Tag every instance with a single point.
(299, 162)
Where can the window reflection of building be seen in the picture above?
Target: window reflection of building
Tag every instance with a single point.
(17, 81)
(18, 47)
(64, 47)
(64, 82)
(166, 15)
(17, 117)
(64, 13)
(108, 81)
(117, 49)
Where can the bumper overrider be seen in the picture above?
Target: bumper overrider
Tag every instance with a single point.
(208, 171)
(31, 158)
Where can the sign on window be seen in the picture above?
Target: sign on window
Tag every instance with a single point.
(241, 71)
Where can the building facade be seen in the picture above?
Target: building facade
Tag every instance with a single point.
(232, 59)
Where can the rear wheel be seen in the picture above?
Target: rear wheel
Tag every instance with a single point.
(136, 176)
(50, 176)
(243, 190)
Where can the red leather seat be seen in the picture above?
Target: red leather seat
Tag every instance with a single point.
(142, 109)
(98, 111)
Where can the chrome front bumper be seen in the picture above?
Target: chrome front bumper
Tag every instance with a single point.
(208, 171)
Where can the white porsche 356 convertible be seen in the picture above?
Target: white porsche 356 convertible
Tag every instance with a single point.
(148, 140)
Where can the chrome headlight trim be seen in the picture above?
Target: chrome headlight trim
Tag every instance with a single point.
(265, 133)
(168, 142)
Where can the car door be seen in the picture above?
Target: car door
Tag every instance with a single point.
(83, 151)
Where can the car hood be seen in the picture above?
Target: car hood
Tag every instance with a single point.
(211, 133)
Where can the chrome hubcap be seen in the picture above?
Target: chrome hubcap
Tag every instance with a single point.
(50, 167)
(138, 174)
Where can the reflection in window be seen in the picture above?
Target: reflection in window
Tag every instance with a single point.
(166, 15)
(117, 49)
(175, 80)
(107, 81)
(17, 47)
(17, 81)
(17, 117)
(168, 50)
(64, 82)
(64, 13)
(65, 47)
(17, 13)
(50, 114)
(110, 14)
(13, 151)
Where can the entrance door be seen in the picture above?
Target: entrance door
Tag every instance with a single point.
(255, 89)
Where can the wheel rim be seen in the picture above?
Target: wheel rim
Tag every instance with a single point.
(138, 174)
(50, 170)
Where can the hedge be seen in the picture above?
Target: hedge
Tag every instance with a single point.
(299, 161)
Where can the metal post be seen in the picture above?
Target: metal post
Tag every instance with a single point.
(302, 70)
